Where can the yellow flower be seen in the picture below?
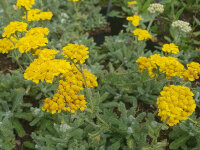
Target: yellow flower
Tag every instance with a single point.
(34, 38)
(40, 70)
(74, 0)
(170, 48)
(25, 3)
(36, 15)
(142, 34)
(134, 19)
(175, 103)
(192, 72)
(77, 53)
(14, 27)
(6, 45)
(145, 63)
(170, 66)
(67, 97)
(132, 3)
(37, 30)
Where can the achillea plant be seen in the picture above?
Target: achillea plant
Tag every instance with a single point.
(70, 73)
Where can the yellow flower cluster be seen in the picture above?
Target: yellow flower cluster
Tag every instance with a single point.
(74, 0)
(142, 34)
(168, 65)
(14, 27)
(132, 3)
(77, 53)
(36, 15)
(25, 3)
(145, 63)
(192, 72)
(135, 19)
(33, 39)
(170, 48)
(6, 45)
(175, 103)
(45, 67)
(68, 92)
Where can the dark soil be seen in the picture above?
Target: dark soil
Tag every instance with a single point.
(6, 64)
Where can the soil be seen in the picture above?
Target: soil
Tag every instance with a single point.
(6, 64)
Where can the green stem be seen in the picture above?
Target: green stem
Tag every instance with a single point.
(17, 60)
(194, 122)
(150, 23)
(158, 131)
(29, 57)
(172, 8)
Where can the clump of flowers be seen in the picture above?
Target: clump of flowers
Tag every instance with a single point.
(45, 67)
(175, 103)
(36, 15)
(14, 27)
(182, 26)
(170, 48)
(77, 53)
(27, 4)
(145, 63)
(192, 72)
(156, 8)
(68, 91)
(33, 39)
(142, 34)
(134, 19)
(6, 45)
(170, 66)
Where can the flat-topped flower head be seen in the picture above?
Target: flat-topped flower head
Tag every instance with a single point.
(156, 8)
(46, 69)
(36, 15)
(68, 97)
(170, 66)
(170, 48)
(145, 63)
(175, 103)
(74, 0)
(37, 30)
(6, 45)
(14, 27)
(182, 26)
(132, 3)
(134, 19)
(77, 53)
(142, 34)
(27, 4)
(192, 72)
